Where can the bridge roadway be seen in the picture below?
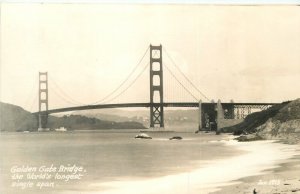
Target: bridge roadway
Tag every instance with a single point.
(146, 105)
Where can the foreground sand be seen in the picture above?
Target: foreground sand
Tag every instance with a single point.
(282, 180)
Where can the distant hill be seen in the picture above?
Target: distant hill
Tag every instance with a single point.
(75, 122)
(171, 117)
(15, 118)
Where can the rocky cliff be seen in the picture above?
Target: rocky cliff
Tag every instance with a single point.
(278, 122)
(284, 125)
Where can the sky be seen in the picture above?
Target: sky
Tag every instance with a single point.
(244, 53)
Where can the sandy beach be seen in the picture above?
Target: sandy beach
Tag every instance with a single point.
(227, 175)
(284, 179)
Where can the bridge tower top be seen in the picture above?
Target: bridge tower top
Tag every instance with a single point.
(43, 91)
(43, 99)
(156, 87)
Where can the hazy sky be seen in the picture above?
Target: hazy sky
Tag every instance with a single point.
(245, 53)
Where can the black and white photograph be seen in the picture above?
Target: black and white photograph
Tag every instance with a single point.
(150, 97)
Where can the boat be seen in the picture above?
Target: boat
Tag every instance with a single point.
(61, 129)
(142, 136)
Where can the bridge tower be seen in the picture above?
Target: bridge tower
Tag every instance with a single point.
(156, 87)
(43, 100)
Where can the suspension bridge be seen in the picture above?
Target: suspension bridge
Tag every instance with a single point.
(209, 111)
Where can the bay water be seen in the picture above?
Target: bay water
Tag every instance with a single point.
(113, 161)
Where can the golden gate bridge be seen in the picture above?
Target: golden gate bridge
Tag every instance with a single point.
(208, 110)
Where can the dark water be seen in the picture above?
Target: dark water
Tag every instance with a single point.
(105, 156)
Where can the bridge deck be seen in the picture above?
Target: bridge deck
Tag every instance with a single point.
(146, 105)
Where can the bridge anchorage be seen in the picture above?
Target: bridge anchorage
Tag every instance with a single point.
(211, 115)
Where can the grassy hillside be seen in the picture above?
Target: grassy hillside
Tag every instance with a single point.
(15, 118)
(289, 112)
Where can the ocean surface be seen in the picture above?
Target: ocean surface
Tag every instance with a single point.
(113, 161)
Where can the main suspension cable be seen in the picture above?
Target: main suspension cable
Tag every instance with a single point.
(181, 83)
(126, 79)
(66, 96)
(133, 81)
(184, 74)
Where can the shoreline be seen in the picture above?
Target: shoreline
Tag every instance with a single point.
(284, 178)
(210, 178)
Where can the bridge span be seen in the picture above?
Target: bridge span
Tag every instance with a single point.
(208, 112)
(148, 105)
